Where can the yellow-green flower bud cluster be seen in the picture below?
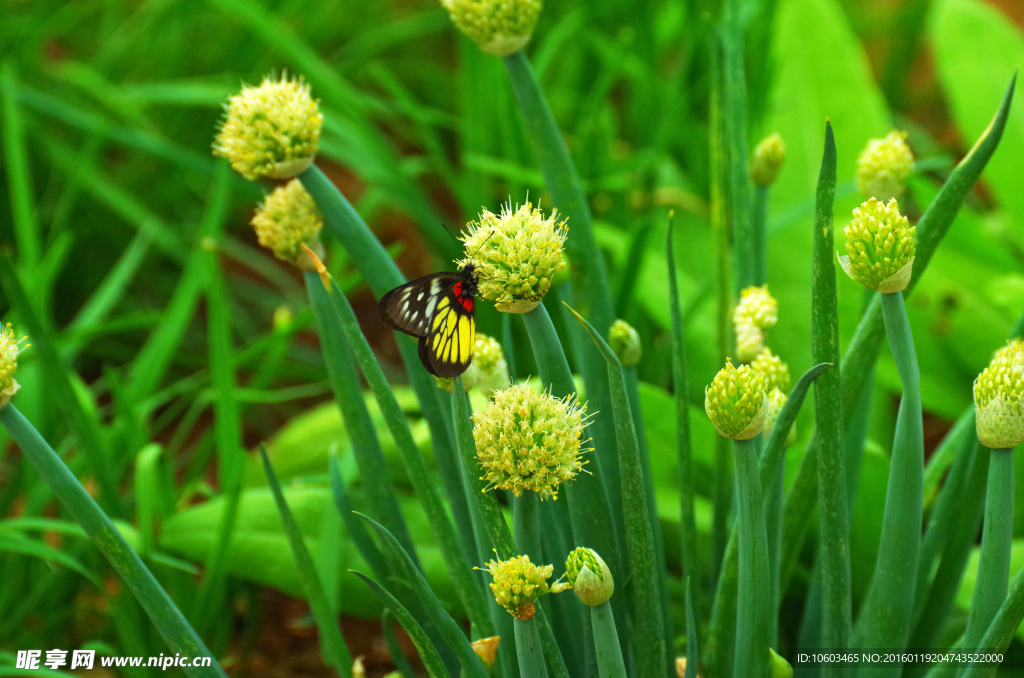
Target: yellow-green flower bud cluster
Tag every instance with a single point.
(487, 650)
(529, 441)
(768, 158)
(998, 392)
(10, 347)
(516, 254)
(518, 583)
(736, 402)
(879, 247)
(884, 165)
(287, 219)
(498, 27)
(755, 314)
(777, 382)
(272, 130)
(589, 576)
(774, 370)
(491, 368)
(625, 342)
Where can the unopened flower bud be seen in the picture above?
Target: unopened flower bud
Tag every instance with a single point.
(998, 391)
(756, 307)
(768, 158)
(529, 441)
(589, 576)
(681, 668)
(498, 27)
(516, 255)
(518, 583)
(625, 342)
(749, 342)
(272, 130)
(492, 370)
(287, 220)
(884, 165)
(736, 402)
(10, 347)
(879, 247)
(358, 669)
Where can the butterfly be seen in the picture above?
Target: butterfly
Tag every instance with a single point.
(437, 309)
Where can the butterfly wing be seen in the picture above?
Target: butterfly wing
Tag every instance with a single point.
(411, 307)
(449, 346)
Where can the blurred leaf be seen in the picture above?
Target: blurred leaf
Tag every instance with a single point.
(977, 49)
(259, 550)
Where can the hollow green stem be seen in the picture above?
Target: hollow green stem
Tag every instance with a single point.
(526, 525)
(886, 615)
(753, 601)
(1002, 629)
(996, 540)
(774, 495)
(606, 642)
(528, 647)
(735, 107)
(168, 620)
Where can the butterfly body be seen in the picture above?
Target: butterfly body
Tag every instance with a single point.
(438, 310)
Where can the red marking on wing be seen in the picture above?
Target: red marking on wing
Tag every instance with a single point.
(457, 289)
(467, 304)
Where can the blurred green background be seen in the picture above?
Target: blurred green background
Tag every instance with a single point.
(109, 109)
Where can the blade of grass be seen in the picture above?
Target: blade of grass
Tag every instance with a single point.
(864, 348)
(227, 417)
(449, 629)
(431, 659)
(332, 644)
(355, 528)
(754, 595)
(378, 487)
(834, 519)
(86, 427)
(176, 632)
(394, 649)
(19, 186)
(684, 451)
(1002, 629)
(648, 635)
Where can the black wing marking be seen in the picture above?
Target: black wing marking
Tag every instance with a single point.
(409, 308)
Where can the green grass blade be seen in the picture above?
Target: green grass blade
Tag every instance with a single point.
(692, 647)
(470, 594)
(355, 528)
(834, 519)
(887, 611)
(168, 620)
(84, 423)
(332, 645)
(1002, 629)
(648, 616)
(9, 543)
(227, 414)
(450, 631)
(19, 187)
(378, 487)
(734, 102)
(431, 659)
(394, 649)
(996, 539)
(681, 385)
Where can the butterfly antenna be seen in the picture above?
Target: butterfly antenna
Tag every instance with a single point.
(449, 232)
(475, 252)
